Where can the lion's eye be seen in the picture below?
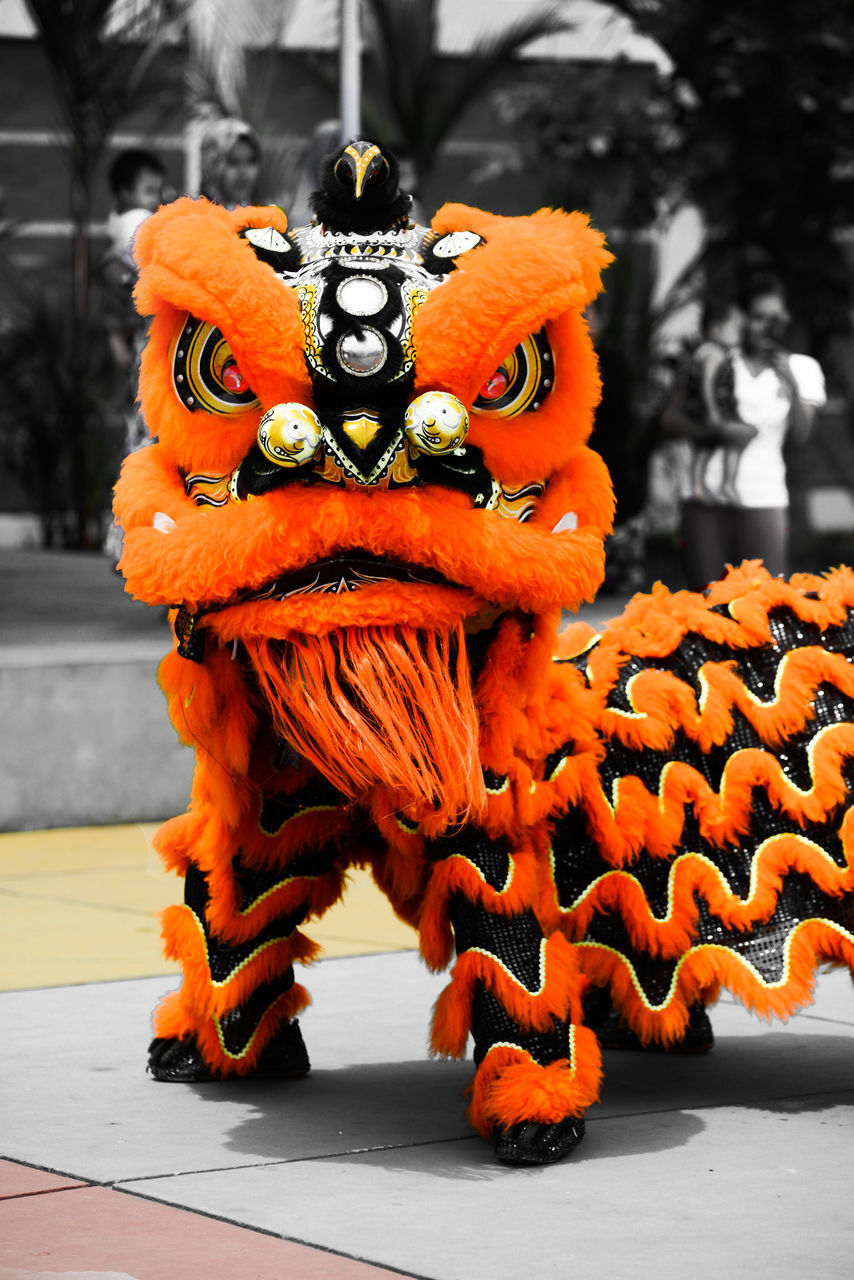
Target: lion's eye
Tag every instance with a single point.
(520, 382)
(205, 374)
(232, 378)
(495, 386)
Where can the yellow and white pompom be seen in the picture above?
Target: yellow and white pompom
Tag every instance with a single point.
(436, 422)
(289, 434)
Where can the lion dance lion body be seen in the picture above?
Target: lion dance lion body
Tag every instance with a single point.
(368, 590)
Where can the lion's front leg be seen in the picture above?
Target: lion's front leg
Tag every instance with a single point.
(237, 938)
(518, 994)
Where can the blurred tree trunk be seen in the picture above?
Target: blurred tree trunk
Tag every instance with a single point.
(99, 53)
(79, 355)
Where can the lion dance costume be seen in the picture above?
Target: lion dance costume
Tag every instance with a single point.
(369, 500)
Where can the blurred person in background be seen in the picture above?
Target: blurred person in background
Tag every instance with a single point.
(709, 402)
(763, 396)
(231, 163)
(624, 441)
(136, 179)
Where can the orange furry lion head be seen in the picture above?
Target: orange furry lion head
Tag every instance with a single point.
(360, 434)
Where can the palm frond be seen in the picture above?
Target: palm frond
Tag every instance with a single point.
(414, 98)
(219, 33)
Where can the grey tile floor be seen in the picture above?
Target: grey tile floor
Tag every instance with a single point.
(725, 1165)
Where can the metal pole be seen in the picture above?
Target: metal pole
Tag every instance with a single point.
(350, 92)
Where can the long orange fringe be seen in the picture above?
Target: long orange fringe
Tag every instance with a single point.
(388, 706)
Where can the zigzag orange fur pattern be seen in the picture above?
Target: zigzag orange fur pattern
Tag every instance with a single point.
(173, 1020)
(184, 941)
(811, 943)
(456, 874)
(670, 936)
(631, 819)
(530, 1010)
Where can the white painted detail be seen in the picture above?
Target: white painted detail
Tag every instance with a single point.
(457, 242)
(267, 238)
(567, 522)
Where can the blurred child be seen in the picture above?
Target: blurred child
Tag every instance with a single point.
(710, 398)
(136, 179)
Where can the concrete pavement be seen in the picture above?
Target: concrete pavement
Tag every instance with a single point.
(722, 1165)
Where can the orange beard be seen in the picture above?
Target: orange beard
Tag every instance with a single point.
(382, 705)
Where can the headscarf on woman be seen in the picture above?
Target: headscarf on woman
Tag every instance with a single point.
(231, 162)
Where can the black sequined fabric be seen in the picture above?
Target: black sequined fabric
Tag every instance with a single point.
(225, 959)
(190, 637)
(514, 941)
(765, 946)
(277, 810)
(490, 857)
(492, 1024)
(238, 1026)
(255, 883)
(654, 976)
(494, 782)
(556, 757)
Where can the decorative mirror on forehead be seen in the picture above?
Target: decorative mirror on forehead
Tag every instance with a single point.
(361, 295)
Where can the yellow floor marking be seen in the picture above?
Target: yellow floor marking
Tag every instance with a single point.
(79, 905)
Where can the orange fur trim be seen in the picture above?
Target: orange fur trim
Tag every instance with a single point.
(529, 271)
(172, 1019)
(633, 818)
(191, 259)
(510, 1087)
(662, 704)
(183, 940)
(652, 626)
(212, 1044)
(456, 874)
(690, 874)
(234, 925)
(210, 711)
(583, 485)
(211, 553)
(810, 943)
(530, 1010)
(175, 840)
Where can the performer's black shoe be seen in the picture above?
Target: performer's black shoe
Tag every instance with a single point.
(179, 1061)
(602, 1018)
(534, 1142)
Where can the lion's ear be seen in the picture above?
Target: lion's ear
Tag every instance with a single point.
(220, 278)
(505, 333)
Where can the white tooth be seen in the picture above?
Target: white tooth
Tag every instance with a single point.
(568, 521)
(162, 522)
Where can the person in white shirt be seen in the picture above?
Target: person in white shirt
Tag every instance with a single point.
(775, 394)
